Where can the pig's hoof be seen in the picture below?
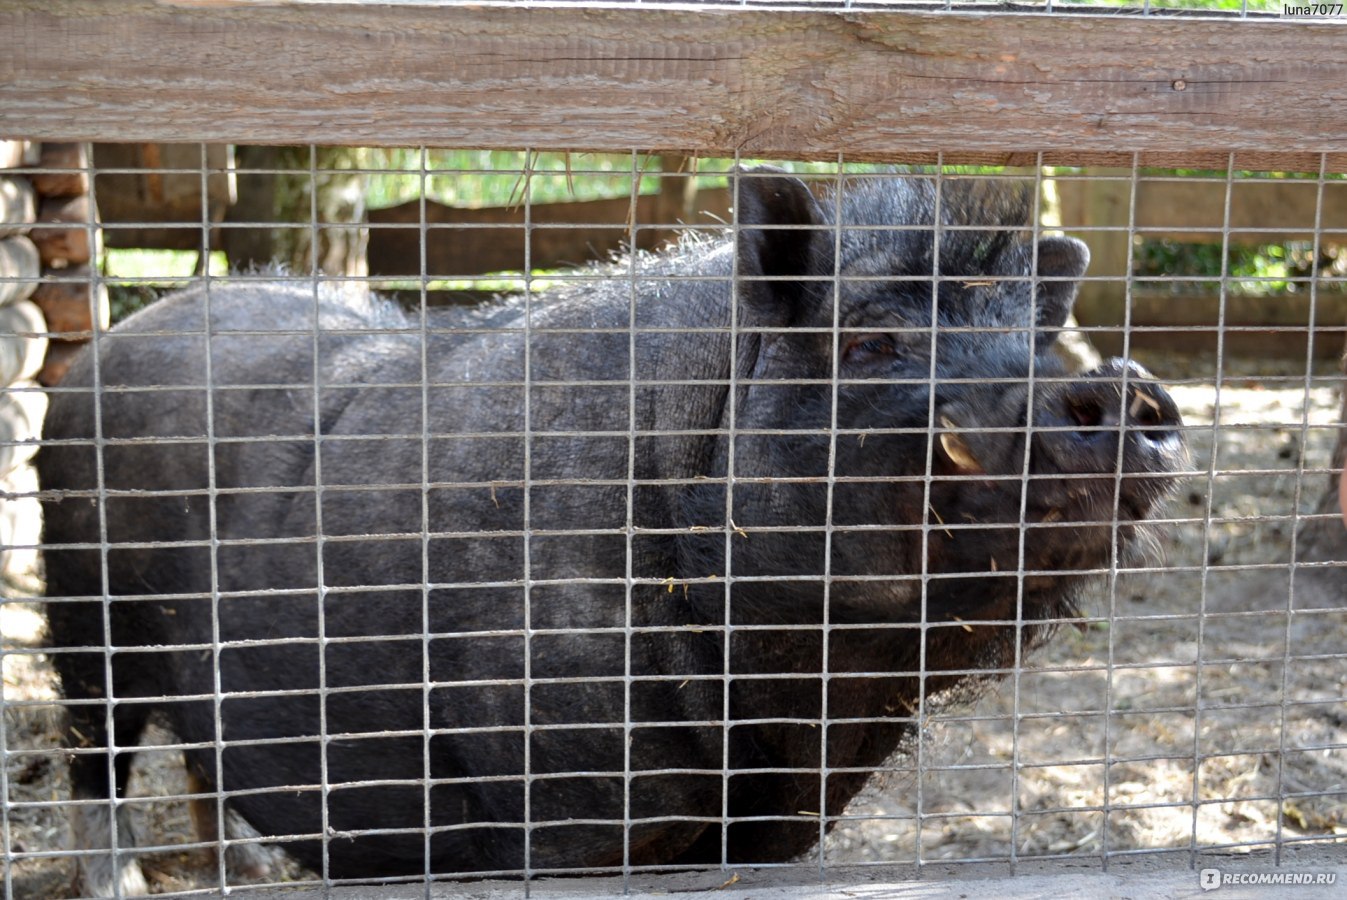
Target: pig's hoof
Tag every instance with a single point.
(250, 861)
(101, 875)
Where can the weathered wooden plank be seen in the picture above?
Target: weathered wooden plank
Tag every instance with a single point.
(1261, 212)
(1264, 326)
(1217, 160)
(758, 82)
(1252, 342)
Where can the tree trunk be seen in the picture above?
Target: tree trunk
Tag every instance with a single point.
(322, 235)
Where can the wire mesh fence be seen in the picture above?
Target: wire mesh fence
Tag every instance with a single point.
(403, 523)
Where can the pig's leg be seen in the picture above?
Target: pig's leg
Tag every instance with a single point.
(103, 873)
(250, 861)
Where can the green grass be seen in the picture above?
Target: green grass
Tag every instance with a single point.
(136, 278)
(157, 264)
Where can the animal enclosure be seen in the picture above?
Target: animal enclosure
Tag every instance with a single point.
(433, 532)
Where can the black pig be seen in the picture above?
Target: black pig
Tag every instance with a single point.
(630, 564)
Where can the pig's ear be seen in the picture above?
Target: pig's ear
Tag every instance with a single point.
(1063, 261)
(779, 222)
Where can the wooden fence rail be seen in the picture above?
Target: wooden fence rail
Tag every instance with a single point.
(994, 87)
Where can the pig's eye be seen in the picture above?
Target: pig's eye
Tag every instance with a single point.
(867, 347)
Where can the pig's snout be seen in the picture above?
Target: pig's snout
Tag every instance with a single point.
(1078, 427)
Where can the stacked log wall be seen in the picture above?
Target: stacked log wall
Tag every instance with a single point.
(49, 307)
(23, 345)
(69, 241)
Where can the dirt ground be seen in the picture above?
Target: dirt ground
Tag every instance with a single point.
(1216, 699)
(1208, 689)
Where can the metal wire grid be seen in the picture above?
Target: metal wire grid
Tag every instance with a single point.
(1306, 473)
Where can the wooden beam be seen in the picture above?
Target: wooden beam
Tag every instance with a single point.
(996, 87)
(1256, 326)
(473, 241)
(1262, 211)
